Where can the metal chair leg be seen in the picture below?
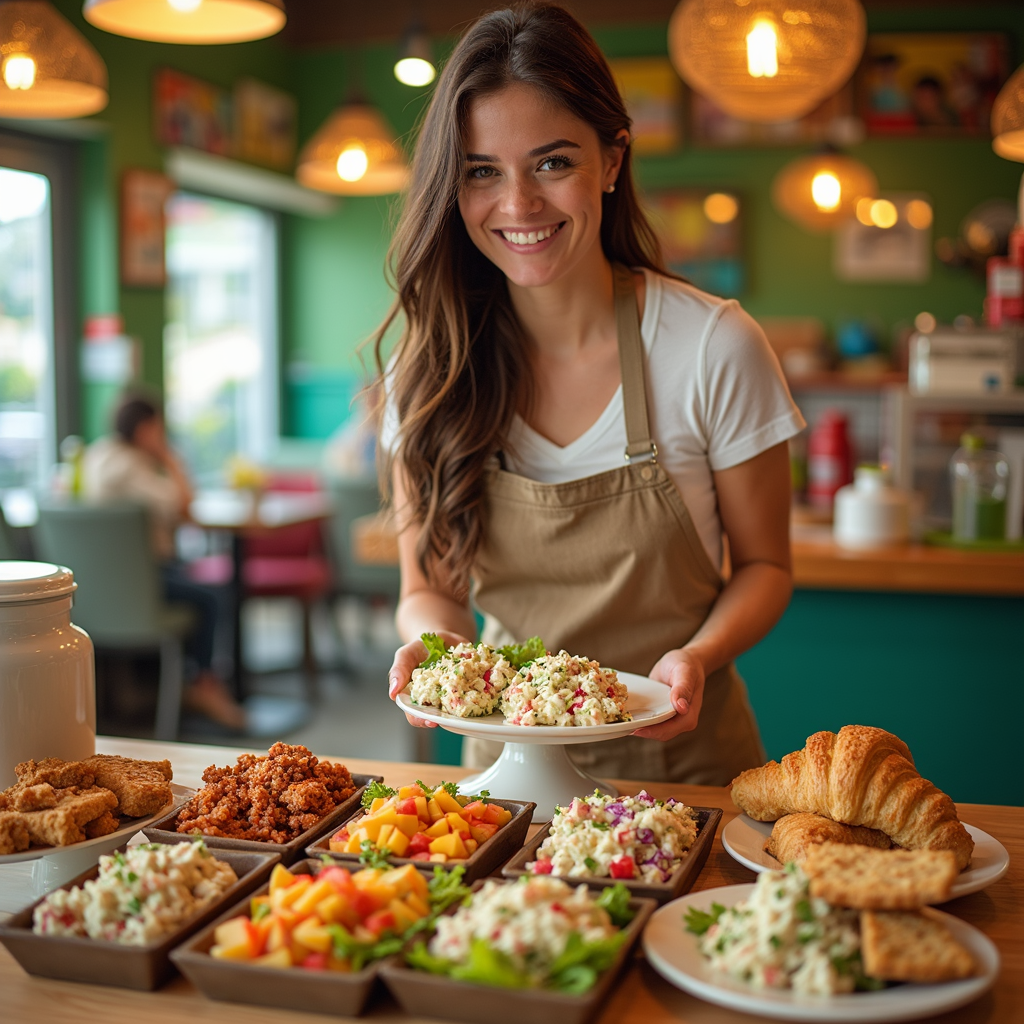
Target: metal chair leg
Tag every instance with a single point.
(168, 701)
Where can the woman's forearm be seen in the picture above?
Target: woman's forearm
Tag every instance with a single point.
(749, 606)
(427, 611)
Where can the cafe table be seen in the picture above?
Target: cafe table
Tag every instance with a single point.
(640, 997)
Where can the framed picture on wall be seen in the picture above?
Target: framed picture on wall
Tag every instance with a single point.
(831, 121)
(701, 236)
(931, 83)
(144, 194)
(896, 246)
(265, 124)
(653, 95)
(190, 112)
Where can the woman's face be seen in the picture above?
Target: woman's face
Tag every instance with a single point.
(534, 179)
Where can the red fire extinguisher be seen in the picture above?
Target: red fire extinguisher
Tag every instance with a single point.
(829, 458)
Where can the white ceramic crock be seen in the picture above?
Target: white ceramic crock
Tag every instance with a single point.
(47, 673)
(870, 513)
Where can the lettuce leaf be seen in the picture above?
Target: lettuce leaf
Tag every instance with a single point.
(615, 900)
(520, 655)
(359, 954)
(446, 888)
(436, 649)
(577, 969)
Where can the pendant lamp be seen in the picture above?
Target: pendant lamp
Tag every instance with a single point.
(766, 60)
(47, 67)
(1008, 118)
(187, 21)
(415, 64)
(354, 153)
(819, 192)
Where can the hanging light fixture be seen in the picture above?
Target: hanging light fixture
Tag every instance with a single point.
(47, 67)
(821, 191)
(1008, 118)
(415, 64)
(354, 153)
(767, 60)
(188, 21)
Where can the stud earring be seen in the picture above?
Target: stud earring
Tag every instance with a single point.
(610, 188)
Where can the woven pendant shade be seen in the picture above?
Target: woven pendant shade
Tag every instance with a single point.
(47, 67)
(766, 60)
(1008, 118)
(354, 153)
(187, 21)
(820, 192)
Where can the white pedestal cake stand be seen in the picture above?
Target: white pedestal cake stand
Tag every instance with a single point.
(535, 764)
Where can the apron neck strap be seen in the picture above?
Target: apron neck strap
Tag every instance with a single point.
(640, 446)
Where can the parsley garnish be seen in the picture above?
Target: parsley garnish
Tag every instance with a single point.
(803, 910)
(698, 921)
(372, 857)
(374, 791)
(260, 911)
(134, 905)
(591, 863)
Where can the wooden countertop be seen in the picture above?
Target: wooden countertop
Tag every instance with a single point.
(820, 564)
(640, 997)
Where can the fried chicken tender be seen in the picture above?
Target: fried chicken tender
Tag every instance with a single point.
(102, 826)
(13, 833)
(141, 787)
(64, 823)
(34, 798)
(268, 799)
(58, 773)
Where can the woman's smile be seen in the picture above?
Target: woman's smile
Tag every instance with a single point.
(527, 239)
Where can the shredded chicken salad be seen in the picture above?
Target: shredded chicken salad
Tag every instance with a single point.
(617, 837)
(466, 682)
(782, 937)
(138, 896)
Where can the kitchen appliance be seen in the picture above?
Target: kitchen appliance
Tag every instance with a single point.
(950, 361)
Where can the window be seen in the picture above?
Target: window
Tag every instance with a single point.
(220, 340)
(26, 330)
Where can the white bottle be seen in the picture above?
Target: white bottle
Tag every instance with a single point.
(869, 512)
(47, 673)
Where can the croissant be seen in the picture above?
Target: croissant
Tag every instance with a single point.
(794, 834)
(860, 776)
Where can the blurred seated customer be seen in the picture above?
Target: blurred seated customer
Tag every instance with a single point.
(136, 463)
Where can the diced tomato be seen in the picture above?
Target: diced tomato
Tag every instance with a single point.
(407, 806)
(487, 676)
(611, 691)
(340, 878)
(364, 903)
(423, 855)
(315, 962)
(542, 867)
(419, 843)
(492, 814)
(474, 809)
(380, 922)
(622, 867)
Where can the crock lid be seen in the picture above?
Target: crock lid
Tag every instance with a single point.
(34, 581)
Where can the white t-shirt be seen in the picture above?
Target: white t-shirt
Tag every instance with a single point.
(715, 395)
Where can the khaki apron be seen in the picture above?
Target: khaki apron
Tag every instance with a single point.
(612, 567)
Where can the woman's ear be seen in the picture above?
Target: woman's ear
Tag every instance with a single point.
(614, 155)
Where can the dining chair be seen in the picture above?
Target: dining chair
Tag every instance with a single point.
(119, 600)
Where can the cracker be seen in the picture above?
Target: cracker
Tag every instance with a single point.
(868, 879)
(899, 945)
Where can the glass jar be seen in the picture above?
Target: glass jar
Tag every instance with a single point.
(47, 675)
(980, 480)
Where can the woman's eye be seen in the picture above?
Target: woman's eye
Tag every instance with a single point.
(555, 163)
(480, 172)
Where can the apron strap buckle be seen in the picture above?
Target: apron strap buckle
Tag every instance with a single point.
(646, 451)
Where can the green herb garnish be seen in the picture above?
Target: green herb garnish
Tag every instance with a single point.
(374, 791)
(134, 905)
(803, 910)
(591, 864)
(372, 857)
(260, 911)
(436, 649)
(699, 921)
(615, 900)
(520, 655)
(446, 888)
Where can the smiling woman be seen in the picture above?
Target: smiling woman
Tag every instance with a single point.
(542, 341)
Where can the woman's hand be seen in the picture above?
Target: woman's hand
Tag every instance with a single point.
(683, 671)
(409, 657)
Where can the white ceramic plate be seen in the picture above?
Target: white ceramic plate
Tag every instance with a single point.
(673, 953)
(129, 826)
(648, 702)
(744, 839)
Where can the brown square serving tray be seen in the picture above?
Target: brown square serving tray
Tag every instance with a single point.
(485, 860)
(432, 995)
(292, 988)
(680, 882)
(71, 958)
(163, 831)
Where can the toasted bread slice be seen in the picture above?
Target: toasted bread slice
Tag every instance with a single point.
(901, 945)
(868, 879)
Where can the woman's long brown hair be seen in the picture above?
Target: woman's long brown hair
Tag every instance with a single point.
(459, 372)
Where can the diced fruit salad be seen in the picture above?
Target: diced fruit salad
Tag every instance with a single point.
(617, 837)
(534, 933)
(336, 920)
(421, 823)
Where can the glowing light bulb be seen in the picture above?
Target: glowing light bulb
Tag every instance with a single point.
(826, 190)
(763, 50)
(864, 211)
(883, 213)
(185, 6)
(19, 71)
(415, 71)
(919, 214)
(720, 208)
(353, 163)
